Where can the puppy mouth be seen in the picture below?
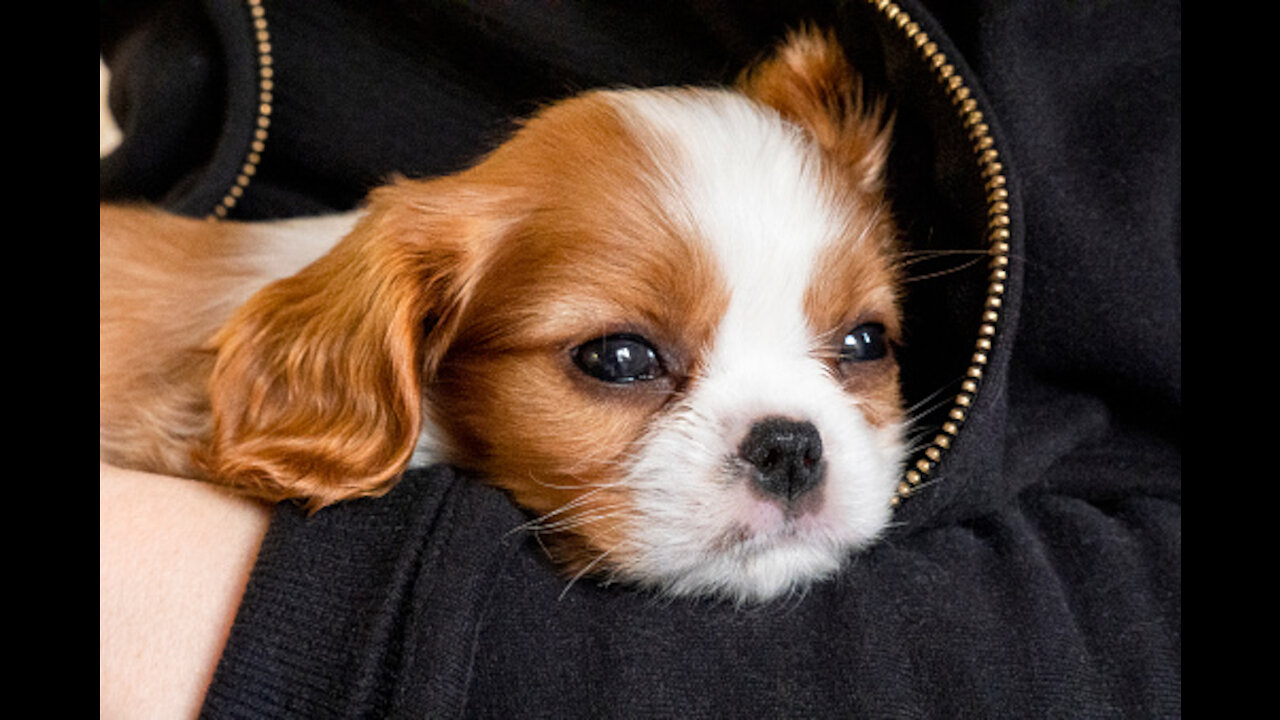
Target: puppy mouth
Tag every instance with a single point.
(767, 523)
(741, 540)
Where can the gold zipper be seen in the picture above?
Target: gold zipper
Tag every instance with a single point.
(999, 236)
(266, 96)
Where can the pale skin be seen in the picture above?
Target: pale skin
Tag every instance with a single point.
(174, 559)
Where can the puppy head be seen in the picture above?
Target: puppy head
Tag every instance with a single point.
(662, 320)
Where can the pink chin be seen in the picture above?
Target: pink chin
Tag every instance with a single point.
(761, 517)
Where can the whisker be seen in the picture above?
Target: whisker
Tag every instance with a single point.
(927, 483)
(577, 521)
(917, 442)
(583, 572)
(577, 482)
(911, 257)
(940, 273)
(940, 252)
(919, 437)
(576, 502)
(928, 404)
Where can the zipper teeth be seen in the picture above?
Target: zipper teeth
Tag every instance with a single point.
(266, 98)
(998, 233)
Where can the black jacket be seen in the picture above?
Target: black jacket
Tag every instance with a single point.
(1034, 569)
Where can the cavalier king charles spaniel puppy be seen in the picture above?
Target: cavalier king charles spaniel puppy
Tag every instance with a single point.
(662, 320)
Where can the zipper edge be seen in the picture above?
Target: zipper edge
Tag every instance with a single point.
(999, 236)
(262, 123)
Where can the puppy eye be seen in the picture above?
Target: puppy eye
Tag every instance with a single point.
(863, 343)
(618, 359)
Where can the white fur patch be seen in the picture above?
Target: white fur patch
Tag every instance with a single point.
(284, 247)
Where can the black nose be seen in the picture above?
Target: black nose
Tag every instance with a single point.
(787, 455)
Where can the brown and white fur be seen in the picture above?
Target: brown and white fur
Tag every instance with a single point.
(637, 317)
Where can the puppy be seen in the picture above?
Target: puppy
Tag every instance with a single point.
(662, 320)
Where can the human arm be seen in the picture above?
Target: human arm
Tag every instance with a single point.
(174, 558)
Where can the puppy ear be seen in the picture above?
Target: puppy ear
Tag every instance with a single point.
(810, 82)
(317, 389)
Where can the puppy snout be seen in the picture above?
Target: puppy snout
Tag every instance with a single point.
(787, 456)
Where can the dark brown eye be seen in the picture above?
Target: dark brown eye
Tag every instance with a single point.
(863, 343)
(622, 358)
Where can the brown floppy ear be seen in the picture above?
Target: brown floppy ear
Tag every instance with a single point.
(809, 81)
(316, 393)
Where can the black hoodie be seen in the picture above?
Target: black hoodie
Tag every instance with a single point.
(1034, 567)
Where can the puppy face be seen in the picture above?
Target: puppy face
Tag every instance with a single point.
(662, 320)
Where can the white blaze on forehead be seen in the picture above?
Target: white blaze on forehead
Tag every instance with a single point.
(748, 184)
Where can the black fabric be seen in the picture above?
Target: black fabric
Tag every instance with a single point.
(371, 89)
(1036, 573)
(417, 604)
